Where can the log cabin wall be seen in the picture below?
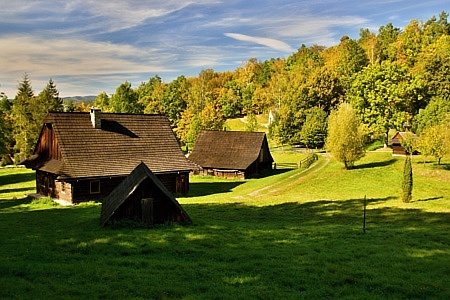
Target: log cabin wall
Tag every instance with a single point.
(48, 146)
(175, 183)
(93, 189)
(46, 184)
(82, 189)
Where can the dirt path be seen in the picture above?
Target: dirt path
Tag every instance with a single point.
(300, 175)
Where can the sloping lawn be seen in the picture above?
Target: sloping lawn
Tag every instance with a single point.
(290, 235)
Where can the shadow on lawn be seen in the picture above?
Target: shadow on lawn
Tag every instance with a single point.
(376, 164)
(276, 242)
(16, 190)
(15, 178)
(207, 188)
(4, 204)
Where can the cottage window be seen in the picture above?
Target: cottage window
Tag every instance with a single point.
(95, 186)
(63, 187)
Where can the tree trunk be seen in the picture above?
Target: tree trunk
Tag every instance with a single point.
(386, 139)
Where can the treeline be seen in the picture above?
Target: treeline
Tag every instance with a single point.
(390, 78)
(21, 118)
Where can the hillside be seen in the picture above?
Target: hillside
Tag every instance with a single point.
(293, 234)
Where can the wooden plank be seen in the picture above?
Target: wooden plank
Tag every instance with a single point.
(147, 211)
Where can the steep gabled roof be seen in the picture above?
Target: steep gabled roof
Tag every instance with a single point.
(235, 150)
(123, 141)
(122, 192)
(400, 135)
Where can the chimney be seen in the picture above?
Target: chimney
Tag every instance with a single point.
(96, 117)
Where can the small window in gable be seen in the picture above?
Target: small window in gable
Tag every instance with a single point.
(95, 186)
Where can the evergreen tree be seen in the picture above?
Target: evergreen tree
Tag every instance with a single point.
(23, 131)
(407, 184)
(49, 100)
(5, 125)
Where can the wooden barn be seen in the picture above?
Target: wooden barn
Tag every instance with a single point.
(142, 196)
(397, 148)
(231, 153)
(84, 156)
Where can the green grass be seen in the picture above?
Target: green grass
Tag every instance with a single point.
(238, 125)
(291, 235)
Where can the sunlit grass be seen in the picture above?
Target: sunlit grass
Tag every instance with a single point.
(293, 234)
(240, 124)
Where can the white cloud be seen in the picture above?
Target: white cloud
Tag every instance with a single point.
(271, 43)
(43, 58)
(76, 56)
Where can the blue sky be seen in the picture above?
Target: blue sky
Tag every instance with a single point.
(92, 46)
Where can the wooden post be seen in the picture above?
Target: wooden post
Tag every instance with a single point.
(364, 219)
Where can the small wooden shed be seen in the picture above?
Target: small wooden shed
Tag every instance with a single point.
(397, 148)
(142, 196)
(231, 153)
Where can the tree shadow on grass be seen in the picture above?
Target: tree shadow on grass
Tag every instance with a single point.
(376, 164)
(16, 190)
(15, 178)
(4, 204)
(321, 240)
(208, 188)
(273, 172)
(428, 199)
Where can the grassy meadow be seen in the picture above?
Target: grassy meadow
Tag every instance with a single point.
(292, 234)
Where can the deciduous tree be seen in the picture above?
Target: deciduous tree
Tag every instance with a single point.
(435, 141)
(314, 130)
(125, 100)
(345, 140)
(385, 96)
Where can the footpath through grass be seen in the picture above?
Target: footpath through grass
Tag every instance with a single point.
(292, 235)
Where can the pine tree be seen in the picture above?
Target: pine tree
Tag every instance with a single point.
(49, 100)
(22, 118)
(407, 184)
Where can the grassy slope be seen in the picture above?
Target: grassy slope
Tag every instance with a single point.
(295, 234)
(238, 124)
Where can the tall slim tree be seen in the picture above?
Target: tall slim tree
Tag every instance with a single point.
(47, 101)
(23, 131)
(407, 183)
(5, 125)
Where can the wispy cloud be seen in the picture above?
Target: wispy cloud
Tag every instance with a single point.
(271, 43)
(91, 45)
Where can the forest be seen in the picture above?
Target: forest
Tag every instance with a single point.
(391, 78)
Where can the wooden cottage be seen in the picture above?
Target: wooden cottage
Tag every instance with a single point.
(142, 196)
(231, 153)
(397, 148)
(84, 156)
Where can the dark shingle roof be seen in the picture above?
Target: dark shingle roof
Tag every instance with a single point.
(123, 141)
(227, 149)
(121, 193)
